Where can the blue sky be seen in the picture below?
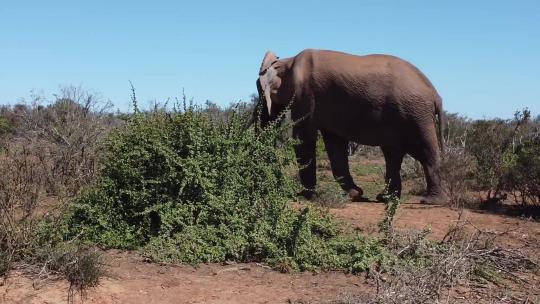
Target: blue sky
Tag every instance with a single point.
(483, 56)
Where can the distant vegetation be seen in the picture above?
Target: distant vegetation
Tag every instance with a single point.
(498, 157)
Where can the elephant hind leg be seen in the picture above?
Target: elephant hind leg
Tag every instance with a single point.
(336, 148)
(434, 193)
(429, 156)
(393, 158)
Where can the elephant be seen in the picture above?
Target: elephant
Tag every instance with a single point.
(376, 100)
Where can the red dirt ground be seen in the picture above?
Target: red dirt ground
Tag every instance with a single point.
(131, 280)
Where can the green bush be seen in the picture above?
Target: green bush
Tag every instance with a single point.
(182, 187)
(5, 126)
(488, 143)
(506, 157)
(523, 177)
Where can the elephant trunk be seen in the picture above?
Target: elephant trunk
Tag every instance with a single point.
(259, 116)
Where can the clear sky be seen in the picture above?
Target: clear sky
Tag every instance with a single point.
(483, 56)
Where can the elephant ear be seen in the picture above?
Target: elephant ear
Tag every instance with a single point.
(268, 60)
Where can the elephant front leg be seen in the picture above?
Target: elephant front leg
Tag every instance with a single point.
(337, 153)
(305, 154)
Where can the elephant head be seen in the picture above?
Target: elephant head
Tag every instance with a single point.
(274, 85)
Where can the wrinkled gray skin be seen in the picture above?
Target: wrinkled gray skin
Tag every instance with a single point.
(375, 100)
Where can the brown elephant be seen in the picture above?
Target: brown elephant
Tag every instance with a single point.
(375, 100)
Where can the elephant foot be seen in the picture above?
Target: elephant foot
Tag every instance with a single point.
(308, 194)
(357, 194)
(383, 197)
(433, 199)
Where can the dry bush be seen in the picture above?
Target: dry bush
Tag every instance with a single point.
(457, 173)
(429, 272)
(69, 130)
(424, 272)
(81, 267)
(25, 242)
(23, 171)
(47, 151)
(457, 130)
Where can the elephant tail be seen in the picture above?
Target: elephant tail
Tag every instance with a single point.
(442, 122)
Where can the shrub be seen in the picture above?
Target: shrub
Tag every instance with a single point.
(506, 157)
(457, 172)
(457, 131)
(28, 236)
(182, 187)
(523, 177)
(488, 143)
(82, 268)
(5, 126)
(22, 171)
(47, 148)
(386, 226)
(68, 129)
